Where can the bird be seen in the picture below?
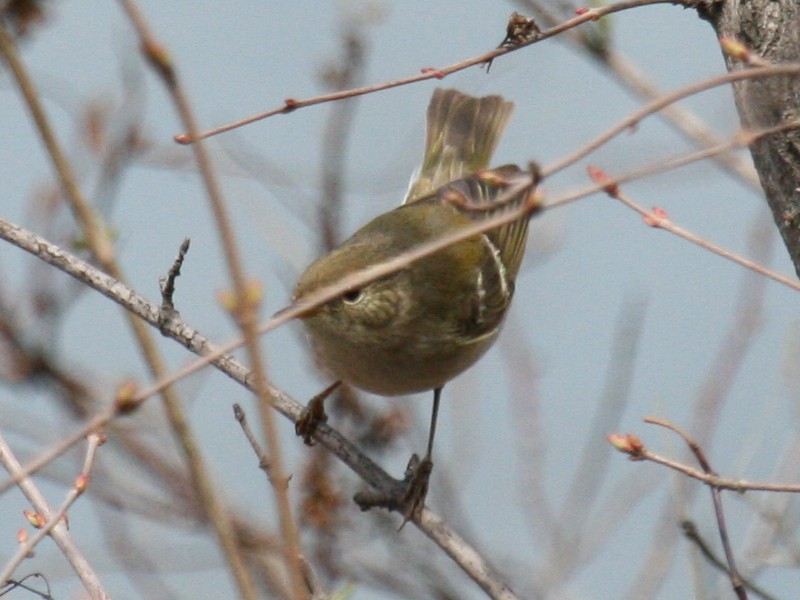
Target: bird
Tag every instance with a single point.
(418, 328)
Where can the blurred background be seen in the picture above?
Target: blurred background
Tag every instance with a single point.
(613, 320)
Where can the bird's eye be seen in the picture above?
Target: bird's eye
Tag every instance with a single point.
(352, 296)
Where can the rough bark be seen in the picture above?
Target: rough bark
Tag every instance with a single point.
(771, 28)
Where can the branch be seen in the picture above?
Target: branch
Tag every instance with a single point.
(716, 498)
(792, 69)
(691, 533)
(103, 252)
(658, 219)
(631, 445)
(58, 528)
(53, 519)
(292, 104)
(246, 318)
(598, 45)
(430, 524)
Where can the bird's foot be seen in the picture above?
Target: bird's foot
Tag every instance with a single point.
(407, 496)
(313, 415)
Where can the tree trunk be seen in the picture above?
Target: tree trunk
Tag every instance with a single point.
(770, 28)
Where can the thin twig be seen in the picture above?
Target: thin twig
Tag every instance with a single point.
(168, 282)
(12, 584)
(87, 218)
(716, 497)
(627, 74)
(659, 220)
(263, 459)
(691, 533)
(660, 103)
(81, 482)
(637, 451)
(159, 59)
(103, 251)
(59, 531)
(292, 104)
(335, 135)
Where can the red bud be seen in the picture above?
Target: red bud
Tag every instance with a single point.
(600, 177)
(656, 218)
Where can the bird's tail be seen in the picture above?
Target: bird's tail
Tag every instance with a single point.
(462, 133)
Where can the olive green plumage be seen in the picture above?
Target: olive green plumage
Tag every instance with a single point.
(418, 328)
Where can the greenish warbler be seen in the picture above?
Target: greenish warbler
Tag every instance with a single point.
(418, 328)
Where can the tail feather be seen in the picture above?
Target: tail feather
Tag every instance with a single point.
(462, 133)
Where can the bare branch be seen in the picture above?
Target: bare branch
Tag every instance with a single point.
(58, 528)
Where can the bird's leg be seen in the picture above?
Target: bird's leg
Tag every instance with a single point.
(408, 497)
(418, 472)
(314, 414)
